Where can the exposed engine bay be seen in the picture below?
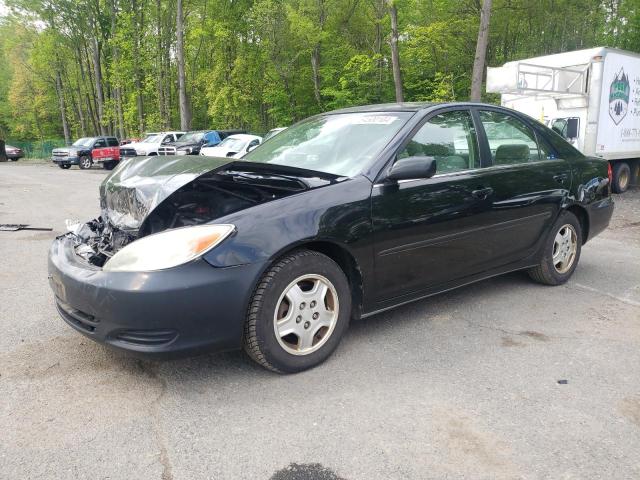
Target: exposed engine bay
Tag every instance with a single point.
(135, 206)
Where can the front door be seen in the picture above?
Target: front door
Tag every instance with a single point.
(430, 231)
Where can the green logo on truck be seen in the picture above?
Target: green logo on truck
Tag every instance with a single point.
(619, 97)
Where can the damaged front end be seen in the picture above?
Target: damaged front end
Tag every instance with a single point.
(143, 196)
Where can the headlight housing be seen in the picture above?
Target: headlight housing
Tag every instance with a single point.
(168, 249)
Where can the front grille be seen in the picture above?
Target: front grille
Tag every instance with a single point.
(77, 318)
(146, 338)
(60, 154)
(167, 151)
(127, 152)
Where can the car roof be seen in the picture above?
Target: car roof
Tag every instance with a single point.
(408, 107)
(244, 136)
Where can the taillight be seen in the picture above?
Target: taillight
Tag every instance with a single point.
(610, 173)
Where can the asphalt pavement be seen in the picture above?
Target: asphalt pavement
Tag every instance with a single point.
(501, 379)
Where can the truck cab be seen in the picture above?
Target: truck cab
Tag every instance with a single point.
(86, 151)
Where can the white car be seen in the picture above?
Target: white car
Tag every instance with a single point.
(149, 146)
(273, 132)
(235, 146)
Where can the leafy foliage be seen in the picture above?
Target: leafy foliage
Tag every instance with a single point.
(258, 64)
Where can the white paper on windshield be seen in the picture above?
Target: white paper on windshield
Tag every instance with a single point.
(376, 120)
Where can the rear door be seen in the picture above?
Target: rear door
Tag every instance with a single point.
(528, 183)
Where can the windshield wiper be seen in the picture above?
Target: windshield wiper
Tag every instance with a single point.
(258, 176)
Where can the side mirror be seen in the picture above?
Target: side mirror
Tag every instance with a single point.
(572, 127)
(413, 167)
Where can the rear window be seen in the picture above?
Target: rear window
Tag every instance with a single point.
(112, 142)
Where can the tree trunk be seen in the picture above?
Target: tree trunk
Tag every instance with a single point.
(63, 108)
(315, 68)
(183, 100)
(98, 79)
(395, 56)
(481, 52)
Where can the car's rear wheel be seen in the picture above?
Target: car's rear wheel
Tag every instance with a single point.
(561, 252)
(298, 312)
(64, 166)
(85, 163)
(109, 165)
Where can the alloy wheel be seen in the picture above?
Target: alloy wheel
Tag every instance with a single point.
(86, 162)
(565, 247)
(306, 314)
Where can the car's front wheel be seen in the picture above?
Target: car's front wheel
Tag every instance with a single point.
(64, 166)
(561, 252)
(85, 163)
(298, 313)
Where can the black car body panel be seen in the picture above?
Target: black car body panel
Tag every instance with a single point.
(396, 241)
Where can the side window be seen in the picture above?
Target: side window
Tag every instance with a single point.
(167, 139)
(113, 142)
(448, 137)
(253, 143)
(559, 126)
(510, 140)
(100, 143)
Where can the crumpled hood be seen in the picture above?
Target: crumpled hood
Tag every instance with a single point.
(138, 185)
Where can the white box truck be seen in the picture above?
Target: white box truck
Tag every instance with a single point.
(591, 97)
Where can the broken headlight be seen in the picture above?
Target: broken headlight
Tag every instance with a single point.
(168, 249)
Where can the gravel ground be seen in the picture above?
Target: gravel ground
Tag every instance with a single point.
(500, 379)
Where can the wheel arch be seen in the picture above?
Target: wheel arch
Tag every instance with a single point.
(345, 260)
(583, 217)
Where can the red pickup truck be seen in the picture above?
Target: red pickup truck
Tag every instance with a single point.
(86, 151)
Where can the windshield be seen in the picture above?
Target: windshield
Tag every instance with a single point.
(152, 139)
(192, 137)
(84, 142)
(272, 133)
(341, 144)
(232, 144)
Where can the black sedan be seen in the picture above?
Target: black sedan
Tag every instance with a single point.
(340, 216)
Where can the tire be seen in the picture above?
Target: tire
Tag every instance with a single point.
(291, 288)
(109, 165)
(621, 177)
(557, 272)
(85, 163)
(64, 166)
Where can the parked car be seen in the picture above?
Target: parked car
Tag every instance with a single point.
(191, 142)
(273, 132)
(13, 153)
(150, 145)
(341, 216)
(88, 150)
(233, 146)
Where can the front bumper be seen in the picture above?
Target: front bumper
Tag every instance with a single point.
(66, 160)
(184, 310)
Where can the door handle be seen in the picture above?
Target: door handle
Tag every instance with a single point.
(560, 178)
(482, 193)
